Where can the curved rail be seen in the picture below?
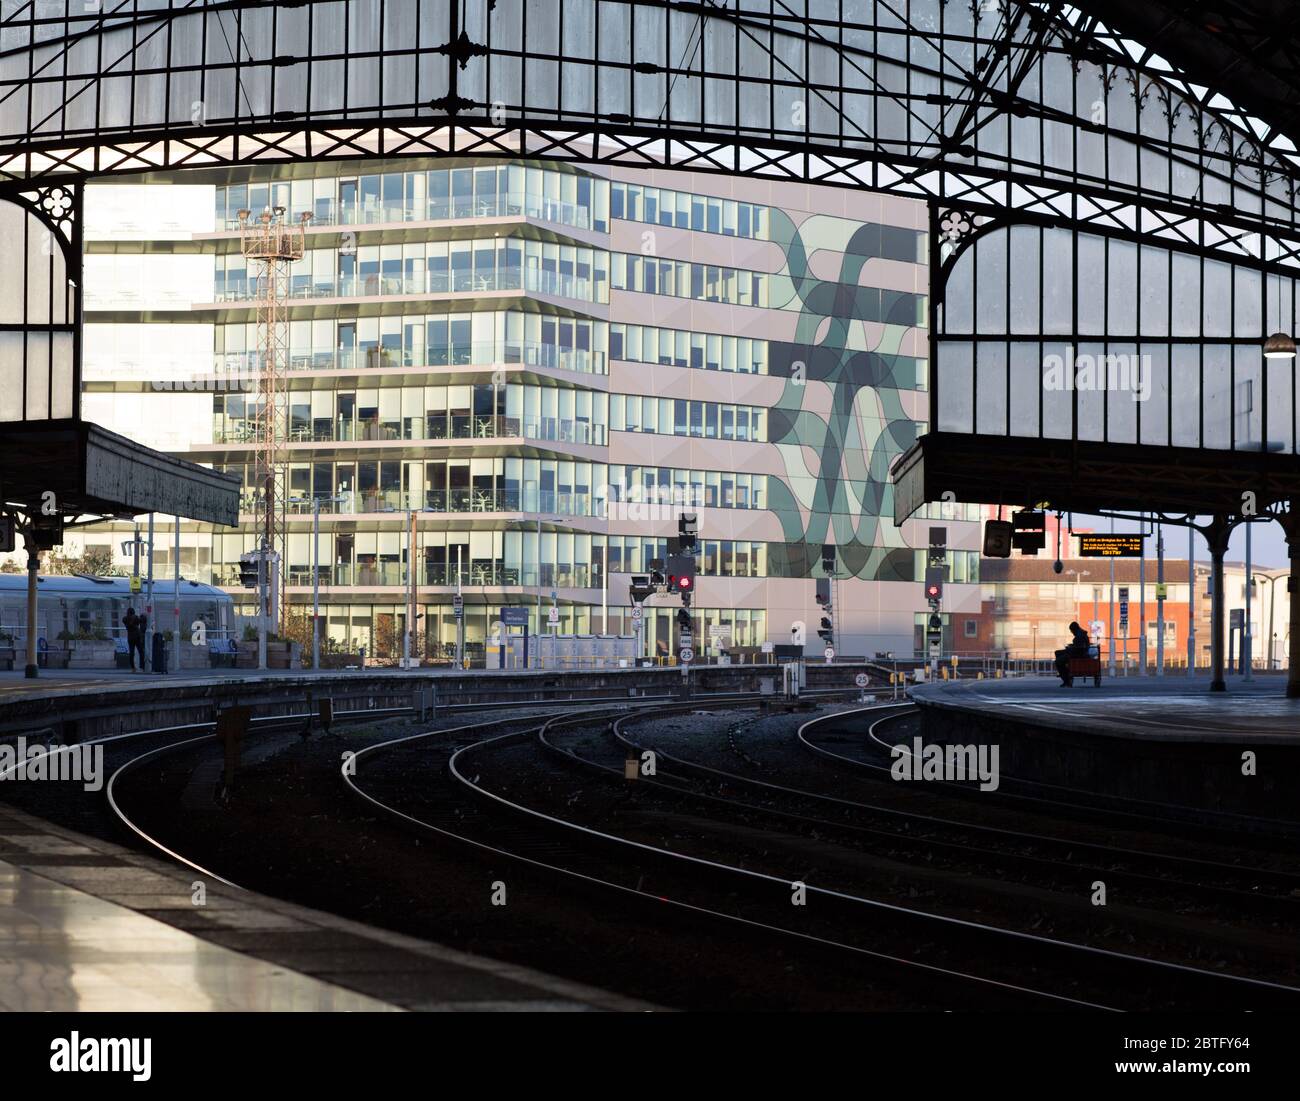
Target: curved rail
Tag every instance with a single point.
(658, 898)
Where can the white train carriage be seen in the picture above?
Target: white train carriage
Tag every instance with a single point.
(82, 606)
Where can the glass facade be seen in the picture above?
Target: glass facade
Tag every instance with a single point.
(684, 279)
(678, 417)
(519, 437)
(442, 194)
(426, 340)
(684, 210)
(484, 410)
(479, 265)
(704, 351)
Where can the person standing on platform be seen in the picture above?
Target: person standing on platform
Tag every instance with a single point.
(134, 625)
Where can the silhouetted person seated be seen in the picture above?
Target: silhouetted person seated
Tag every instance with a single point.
(1079, 646)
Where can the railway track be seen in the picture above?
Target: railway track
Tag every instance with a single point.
(1273, 894)
(564, 851)
(1166, 984)
(127, 757)
(1183, 975)
(904, 944)
(872, 756)
(124, 754)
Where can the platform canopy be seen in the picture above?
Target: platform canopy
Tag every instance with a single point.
(1140, 159)
(1000, 105)
(90, 470)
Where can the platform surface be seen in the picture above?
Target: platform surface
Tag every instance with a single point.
(62, 950)
(1174, 708)
(55, 683)
(63, 683)
(89, 925)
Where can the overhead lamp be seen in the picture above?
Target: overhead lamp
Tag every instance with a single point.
(1279, 346)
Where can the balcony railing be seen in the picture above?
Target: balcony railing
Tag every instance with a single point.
(330, 212)
(460, 501)
(391, 574)
(431, 426)
(235, 288)
(469, 354)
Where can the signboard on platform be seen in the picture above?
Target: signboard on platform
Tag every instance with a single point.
(514, 617)
(1111, 546)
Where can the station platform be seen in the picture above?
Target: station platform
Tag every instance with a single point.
(78, 706)
(1170, 708)
(86, 925)
(63, 682)
(1229, 759)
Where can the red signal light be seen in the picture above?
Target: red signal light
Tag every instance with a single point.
(684, 583)
(932, 591)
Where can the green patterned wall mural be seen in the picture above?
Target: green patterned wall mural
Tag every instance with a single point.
(848, 339)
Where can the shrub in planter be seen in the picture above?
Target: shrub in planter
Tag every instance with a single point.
(95, 633)
(88, 647)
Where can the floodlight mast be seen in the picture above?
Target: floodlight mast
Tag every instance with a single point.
(271, 243)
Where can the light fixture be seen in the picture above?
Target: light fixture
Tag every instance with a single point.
(1279, 346)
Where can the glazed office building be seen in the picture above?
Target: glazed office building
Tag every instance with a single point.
(548, 364)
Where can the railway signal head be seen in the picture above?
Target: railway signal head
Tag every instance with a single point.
(248, 570)
(824, 591)
(683, 620)
(681, 574)
(688, 530)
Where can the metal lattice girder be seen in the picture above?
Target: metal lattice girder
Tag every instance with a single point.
(1000, 105)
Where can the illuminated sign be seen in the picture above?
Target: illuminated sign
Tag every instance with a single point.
(1111, 546)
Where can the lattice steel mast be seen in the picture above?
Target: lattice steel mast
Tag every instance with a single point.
(271, 244)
